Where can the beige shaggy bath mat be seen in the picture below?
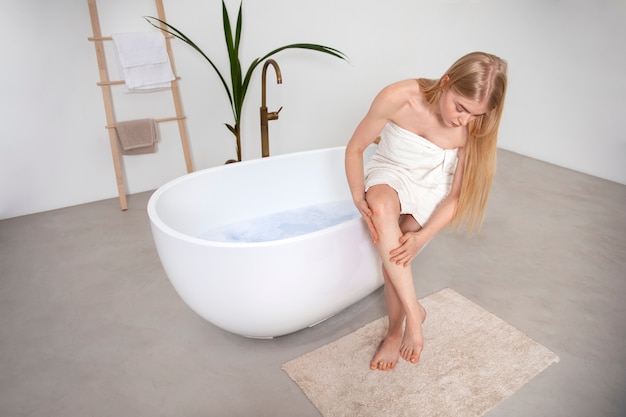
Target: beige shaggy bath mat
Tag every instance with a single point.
(471, 362)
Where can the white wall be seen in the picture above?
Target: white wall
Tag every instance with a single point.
(565, 103)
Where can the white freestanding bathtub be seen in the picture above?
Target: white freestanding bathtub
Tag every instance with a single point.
(271, 286)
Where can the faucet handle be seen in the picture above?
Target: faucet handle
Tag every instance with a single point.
(274, 115)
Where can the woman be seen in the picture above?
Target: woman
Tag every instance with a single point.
(434, 165)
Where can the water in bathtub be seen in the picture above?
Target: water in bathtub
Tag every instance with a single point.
(285, 224)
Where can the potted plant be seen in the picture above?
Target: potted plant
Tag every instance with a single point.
(239, 83)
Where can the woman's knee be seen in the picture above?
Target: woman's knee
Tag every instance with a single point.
(383, 201)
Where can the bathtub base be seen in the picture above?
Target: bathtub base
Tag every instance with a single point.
(263, 289)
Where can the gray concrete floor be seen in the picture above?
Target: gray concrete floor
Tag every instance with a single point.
(89, 324)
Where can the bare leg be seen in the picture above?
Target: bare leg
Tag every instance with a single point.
(388, 352)
(384, 203)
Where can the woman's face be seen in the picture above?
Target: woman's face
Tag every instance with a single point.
(458, 111)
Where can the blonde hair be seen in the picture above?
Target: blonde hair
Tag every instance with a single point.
(480, 77)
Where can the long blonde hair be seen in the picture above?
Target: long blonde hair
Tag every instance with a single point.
(480, 77)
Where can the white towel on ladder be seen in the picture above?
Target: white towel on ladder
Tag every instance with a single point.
(143, 60)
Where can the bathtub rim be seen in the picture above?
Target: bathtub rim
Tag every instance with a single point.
(156, 220)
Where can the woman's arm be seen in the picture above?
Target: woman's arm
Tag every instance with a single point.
(412, 243)
(365, 134)
(443, 214)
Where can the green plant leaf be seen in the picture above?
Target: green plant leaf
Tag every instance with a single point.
(233, 60)
(236, 92)
(311, 46)
(178, 34)
(239, 26)
(231, 128)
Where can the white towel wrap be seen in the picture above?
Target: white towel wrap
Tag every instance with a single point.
(420, 171)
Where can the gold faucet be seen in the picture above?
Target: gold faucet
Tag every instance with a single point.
(265, 116)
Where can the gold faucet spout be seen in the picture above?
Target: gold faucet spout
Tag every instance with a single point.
(279, 78)
(265, 115)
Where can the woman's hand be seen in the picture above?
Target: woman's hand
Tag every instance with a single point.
(411, 244)
(366, 213)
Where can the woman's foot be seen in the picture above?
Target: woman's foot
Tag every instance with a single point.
(387, 355)
(413, 342)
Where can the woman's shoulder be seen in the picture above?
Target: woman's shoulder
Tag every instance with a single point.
(399, 93)
(404, 87)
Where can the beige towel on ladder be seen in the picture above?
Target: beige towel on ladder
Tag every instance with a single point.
(137, 137)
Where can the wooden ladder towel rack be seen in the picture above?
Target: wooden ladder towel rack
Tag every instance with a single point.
(106, 84)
